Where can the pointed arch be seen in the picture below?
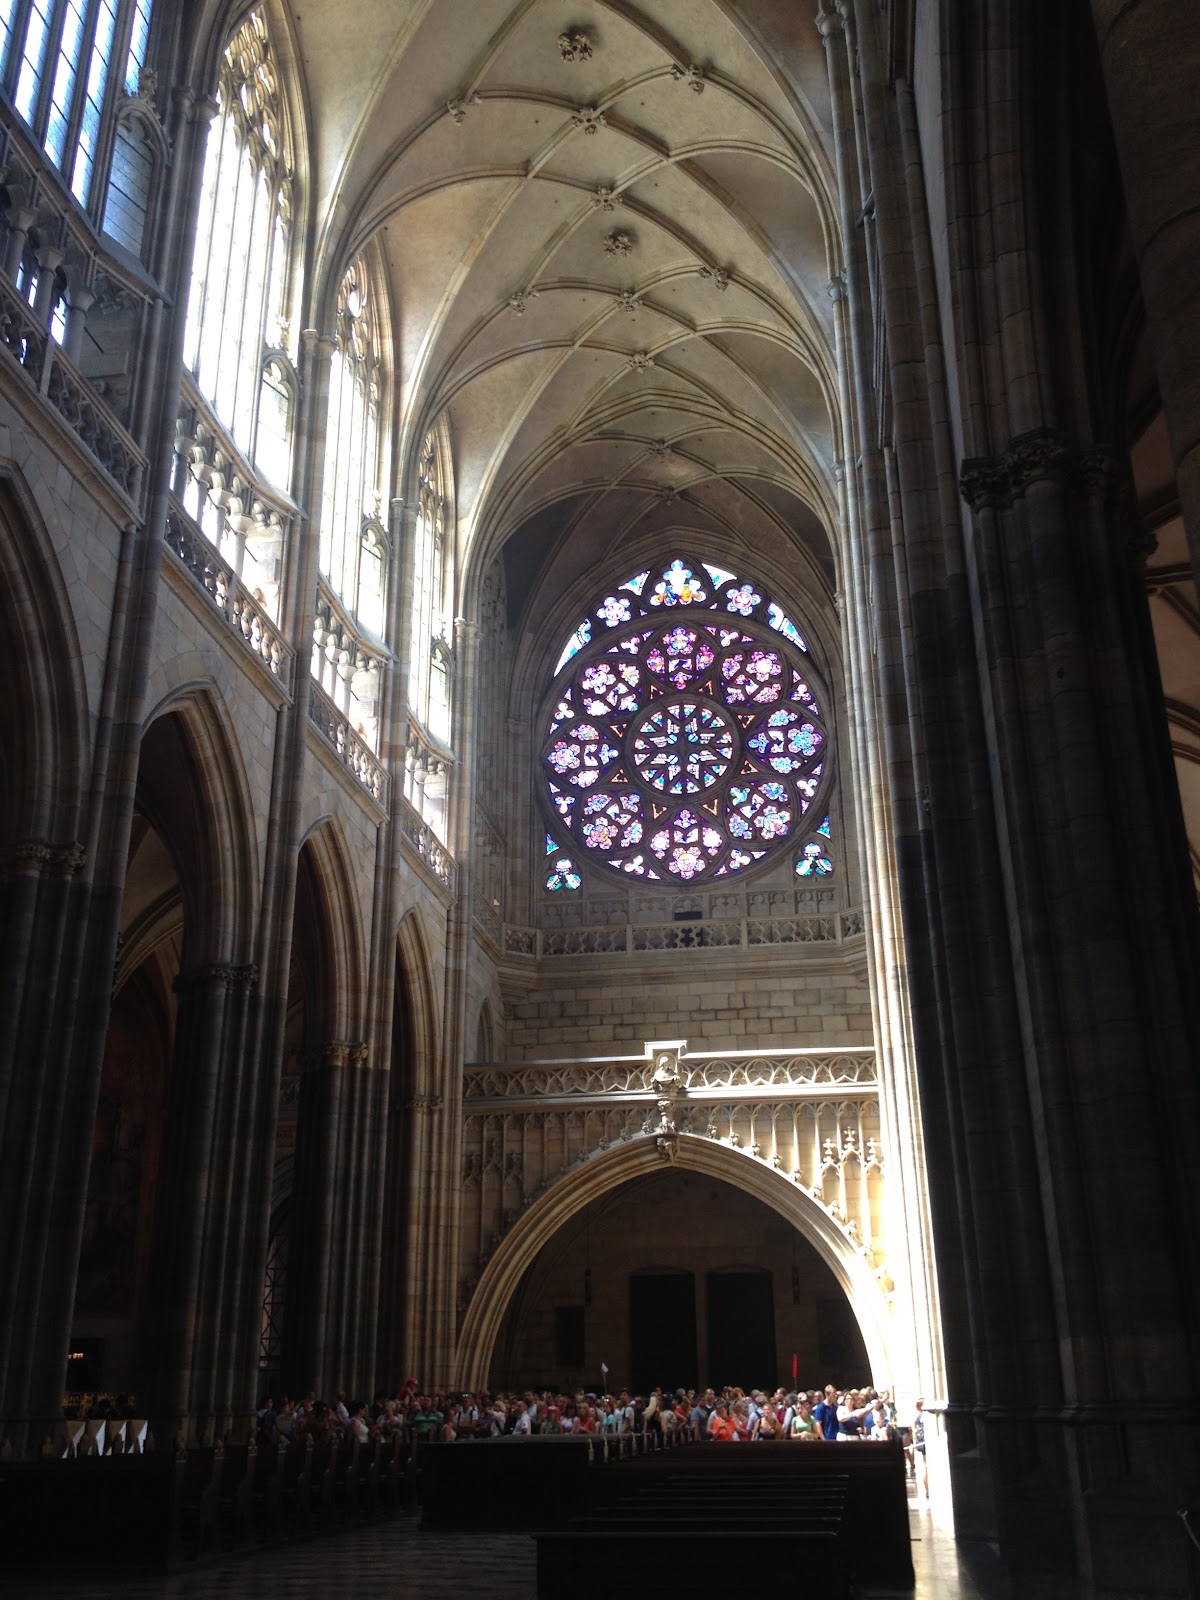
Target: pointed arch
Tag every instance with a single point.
(612, 1168)
(414, 968)
(44, 705)
(193, 787)
(345, 997)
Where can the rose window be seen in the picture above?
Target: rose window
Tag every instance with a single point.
(686, 738)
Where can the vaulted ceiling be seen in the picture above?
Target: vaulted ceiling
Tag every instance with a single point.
(609, 230)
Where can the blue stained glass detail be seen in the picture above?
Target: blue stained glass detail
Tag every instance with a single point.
(564, 876)
(551, 846)
(718, 574)
(824, 828)
(813, 862)
(783, 624)
(581, 636)
(636, 584)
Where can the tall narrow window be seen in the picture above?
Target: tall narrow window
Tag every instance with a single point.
(353, 545)
(239, 275)
(429, 689)
(58, 58)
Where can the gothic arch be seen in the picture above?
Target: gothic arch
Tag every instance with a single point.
(603, 1173)
(414, 961)
(213, 818)
(330, 860)
(45, 696)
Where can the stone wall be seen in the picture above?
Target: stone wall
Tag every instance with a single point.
(575, 1007)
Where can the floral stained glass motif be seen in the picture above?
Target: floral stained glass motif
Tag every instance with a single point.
(614, 609)
(679, 748)
(813, 862)
(678, 586)
(564, 874)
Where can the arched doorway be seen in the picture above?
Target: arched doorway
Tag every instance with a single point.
(680, 1279)
(495, 1313)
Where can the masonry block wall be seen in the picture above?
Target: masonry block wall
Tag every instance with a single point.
(611, 1004)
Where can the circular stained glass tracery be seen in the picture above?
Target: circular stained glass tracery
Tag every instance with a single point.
(683, 747)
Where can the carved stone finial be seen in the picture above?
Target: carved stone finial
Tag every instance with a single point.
(589, 119)
(147, 84)
(575, 45)
(660, 448)
(605, 198)
(719, 276)
(627, 300)
(641, 361)
(618, 243)
(693, 76)
(459, 106)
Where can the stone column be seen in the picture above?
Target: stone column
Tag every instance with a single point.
(1051, 940)
(329, 1317)
(189, 1384)
(1150, 50)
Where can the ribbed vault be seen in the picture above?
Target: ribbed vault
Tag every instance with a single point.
(608, 229)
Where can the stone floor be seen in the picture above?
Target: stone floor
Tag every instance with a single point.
(395, 1561)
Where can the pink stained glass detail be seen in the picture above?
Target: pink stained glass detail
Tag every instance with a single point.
(752, 677)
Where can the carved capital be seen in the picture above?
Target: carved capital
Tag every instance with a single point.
(997, 481)
(424, 1104)
(38, 858)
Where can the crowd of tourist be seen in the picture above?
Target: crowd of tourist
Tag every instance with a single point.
(727, 1416)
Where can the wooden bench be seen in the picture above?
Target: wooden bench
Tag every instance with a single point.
(514, 1485)
(580, 1565)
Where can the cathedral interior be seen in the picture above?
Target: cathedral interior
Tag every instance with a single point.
(476, 473)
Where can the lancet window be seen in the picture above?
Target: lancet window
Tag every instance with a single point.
(354, 547)
(429, 692)
(240, 290)
(685, 739)
(61, 64)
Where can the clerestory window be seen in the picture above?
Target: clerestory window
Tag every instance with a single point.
(354, 554)
(429, 688)
(240, 290)
(64, 64)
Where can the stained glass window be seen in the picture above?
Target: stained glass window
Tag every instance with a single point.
(685, 739)
(563, 873)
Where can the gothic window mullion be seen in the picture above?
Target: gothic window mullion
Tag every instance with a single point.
(83, 60)
(33, 92)
(14, 43)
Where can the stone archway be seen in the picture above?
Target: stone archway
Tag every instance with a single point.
(608, 1170)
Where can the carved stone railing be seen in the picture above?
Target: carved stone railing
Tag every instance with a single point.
(834, 927)
(740, 1072)
(229, 597)
(421, 838)
(811, 1115)
(45, 231)
(69, 394)
(350, 749)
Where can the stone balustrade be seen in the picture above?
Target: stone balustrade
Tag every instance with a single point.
(351, 750)
(833, 927)
(230, 598)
